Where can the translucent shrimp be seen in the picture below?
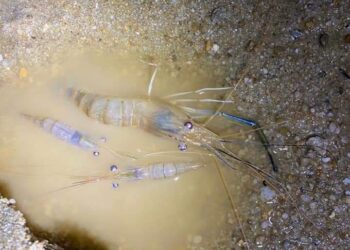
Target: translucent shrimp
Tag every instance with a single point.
(74, 137)
(155, 171)
(159, 117)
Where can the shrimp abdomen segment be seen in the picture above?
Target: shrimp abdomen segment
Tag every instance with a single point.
(63, 132)
(161, 170)
(108, 110)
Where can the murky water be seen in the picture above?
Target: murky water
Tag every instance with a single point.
(35, 166)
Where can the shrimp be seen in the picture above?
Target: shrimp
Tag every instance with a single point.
(68, 134)
(161, 118)
(155, 171)
(159, 171)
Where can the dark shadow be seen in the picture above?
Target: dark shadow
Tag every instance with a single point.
(4, 191)
(65, 236)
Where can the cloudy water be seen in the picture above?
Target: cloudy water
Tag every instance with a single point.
(38, 169)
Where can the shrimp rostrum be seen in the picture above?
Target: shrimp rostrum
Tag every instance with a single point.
(163, 118)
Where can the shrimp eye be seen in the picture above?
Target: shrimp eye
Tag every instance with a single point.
(96, 153)
(113, 168)
(182, 146)
(188, 125)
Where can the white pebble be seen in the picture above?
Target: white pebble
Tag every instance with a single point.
(215, 48)
(265, 224)
(346, 181)
(333, 128)
(326, 159)
(267, 194)
(285, 216)
(12, 201)
(197, 239)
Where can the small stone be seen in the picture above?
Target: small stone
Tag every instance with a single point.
(197, 239)
(326, 159)
(23, 73)
(265, 224)
(1, 58)
(346, 181)
(296, 34)
(285, 216)
(215, 48)
(332, 215)
(267, 194)
(347, 38)
(12, 201)
(333, 128)
(241, 243)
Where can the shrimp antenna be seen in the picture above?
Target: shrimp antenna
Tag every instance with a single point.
(198, 91)
(274, 183)
(234, 209)
(117, 153)
(226, 99)
(150, 84)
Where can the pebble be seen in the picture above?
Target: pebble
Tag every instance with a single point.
(346, 181)
(267, 194)
(332, 215)
(285, 216)
(264, 71)
(315, 141)
(296, 34)
(265, 224)
(333, 128)
(326, 159)
(1, 58)
(11, 201)
(215, 48)
(197, 239)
